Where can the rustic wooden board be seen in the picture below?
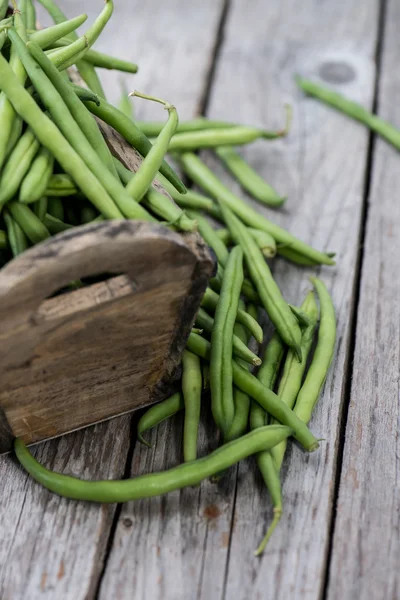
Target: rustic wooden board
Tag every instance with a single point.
(366, 549)
(199, 543)
(52, 547)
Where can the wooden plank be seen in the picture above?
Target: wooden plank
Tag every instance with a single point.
(52, 547)
(366, 549)
(182, 546)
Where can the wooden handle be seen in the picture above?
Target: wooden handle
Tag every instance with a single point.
(104, 349)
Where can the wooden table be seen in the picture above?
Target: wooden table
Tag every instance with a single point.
(339, 537)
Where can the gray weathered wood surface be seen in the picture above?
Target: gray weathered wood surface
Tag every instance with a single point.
(236, 60)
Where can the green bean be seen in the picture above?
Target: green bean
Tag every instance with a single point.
(56, 208)
(16, 237)
(68, 55)
(267, 374)
(125, 105)
(293, 370)
(28, 13)
(158, 413)
(85, 94)
(302, 318)
(83, 118)
(206, 376)
(54, 225)
(247, 288)
(7, 111)
(352, 109)
(248, 178)
(68, 126)
(61, 184)
(3, 8)
(316, 375)
(34, 184)
(154, 484)
(239, 348)
(3, 37)
(3, 240)
(196, 331)
(144, 176)
(17, 165)
(203, 177)
(33, 228)
(231, 136)
(15, 134)
(86, 70)
(165, 208)
(298, 258)
(191, 390)
(46, 37)
(189, 199)
(210, 301)
(241, 400)
(101, 60)
(40, 209)
(210, 236)
(269, 401)
(222, 342)
(264, 240)
(271, 297)
(50, 137)
(153, 128)
(126, 127)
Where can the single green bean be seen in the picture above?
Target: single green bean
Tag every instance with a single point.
(83, 118)
(158, 413)
(352, 109)
(69, 127)
(16, 237)
(267, 374)
(264, 240)
(210, 301)
(7, 111)
(316, 375)
(50, 137)
(222, 342)
(191, 390)
(126, 127)
(241, 400)
(248, 178)
(33, 228)
(61, 184)
(34, 185)
(302, 318)
(68, 55)
(239, 348)
(3, 37)
(86, 70)
(101, 60)
(210, 236)
(40, 209)
(165, 208)
(154, 484)
(231, 136)
(144, 176)
(17, 165)
(46, 37)
(28, 13)
(54, 225)
(206, 179)
(84, 93)
(125, 105)
(3, 8)
(293, 370)
(153, 128)
(15, 134)
(265, 397)
(298, 258)
(271, 297)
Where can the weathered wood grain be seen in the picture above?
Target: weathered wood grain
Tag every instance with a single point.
(366, 549)
(199, 543)
(41, 530)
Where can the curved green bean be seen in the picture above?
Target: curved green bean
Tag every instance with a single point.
(154, 484)
(148, 169)
(263, 396)
(46, 37)
(222, 342)
(17, 165)
(30, 224)
(271, 297)
(316, 375)
(83, 118)
(191, 390)
(248, 178)
(165, 208)
(17, 239)
(205, 178)
(158, 413)
(34, 185)
(210, 301)
(50, 137)
(239, 348)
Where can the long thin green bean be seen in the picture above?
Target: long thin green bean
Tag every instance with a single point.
(40, 209)
(34, 185)
(165, 208)
(101, 60)
(153, 128)
(264, 240)
(3, 8)
(33, 228)
(17, 165)
(241, 400)
(154, 484)
(191, 390)
(46, 37)
(158, 413)
(210, 236)
(16, 237)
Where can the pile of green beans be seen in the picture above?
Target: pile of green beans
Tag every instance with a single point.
(57, 172)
